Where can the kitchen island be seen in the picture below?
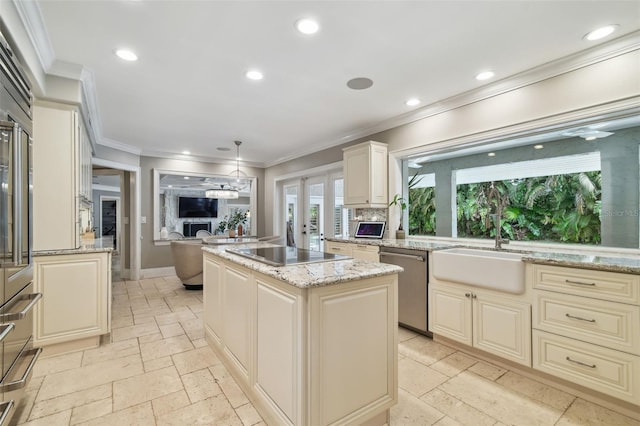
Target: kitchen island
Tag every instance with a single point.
(310, 344)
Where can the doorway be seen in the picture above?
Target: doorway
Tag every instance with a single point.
(109, 223)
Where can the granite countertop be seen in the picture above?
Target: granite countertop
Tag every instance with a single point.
(406, 243)
(309, 274)
(596, 262)
(87, 246)
(611, 262)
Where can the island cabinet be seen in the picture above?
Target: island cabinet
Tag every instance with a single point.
(305, 356)
(587, 328)
(355, 250)
(365, 175)
(75, 309)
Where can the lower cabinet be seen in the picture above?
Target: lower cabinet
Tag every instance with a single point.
(76, 298)
(319, 355)
(486, 321)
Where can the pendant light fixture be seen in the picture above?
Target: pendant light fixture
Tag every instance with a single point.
(231, 192)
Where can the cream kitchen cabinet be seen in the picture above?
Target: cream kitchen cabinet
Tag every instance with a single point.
(297, 351)
(483, 319)
(61, 177)
(357, 251)
(365, 175)
(75, 309)
(586, 328)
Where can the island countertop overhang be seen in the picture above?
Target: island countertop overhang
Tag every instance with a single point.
(310, 274)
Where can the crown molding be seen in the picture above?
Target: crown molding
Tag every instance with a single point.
(110, 143)
(201, 158)
(31, 16)
(619, 46)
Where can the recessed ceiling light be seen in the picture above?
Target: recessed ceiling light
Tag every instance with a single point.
(590, 138)
(126, 54)
(601, 32)
(307, 26)
(360, 83)
(223, 148)
(254, 75)
(491, 154)
(186, 152)
(412, 102)
(169, 186)
(186, 178)
(538, 146)
(485, 75)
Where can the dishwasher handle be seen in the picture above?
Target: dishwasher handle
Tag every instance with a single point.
(404, 256)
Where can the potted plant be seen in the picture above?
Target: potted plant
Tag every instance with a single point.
(239, 217)
(402, 203)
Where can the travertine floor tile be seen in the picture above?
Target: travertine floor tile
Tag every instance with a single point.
(47, 407)
(536, 390)
(139, 415)
(448, 421)
(457, 410)
(196, 359)
(417, 378)
(58, 419)
(248, 415)
(232, 391)
(200, 385)
(165, 347)
(454, 364)
(122, 321)
(213, 411)
(168, 403)
(111, 351)
(411, 411)
(486, 370)
(405, 334)
(497, 402)
(91, 411)
(138, 389)
(424, 350)
(130, 332)
(584, 413)
(55, 364)
(90, 376)
(171, 330)
(158, 363)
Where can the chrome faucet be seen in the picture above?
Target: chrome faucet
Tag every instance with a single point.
(497, 216)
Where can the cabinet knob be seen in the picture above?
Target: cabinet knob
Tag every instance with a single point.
(467, 295)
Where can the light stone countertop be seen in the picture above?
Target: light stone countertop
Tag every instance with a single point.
(88, 246)
(628, 264)
(309, 274)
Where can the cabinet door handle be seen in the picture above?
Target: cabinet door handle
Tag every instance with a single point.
(16, 316)
(5, 330)
(19, 384)
(467, 295)
(578, 318)
(5, 408)
(581, 363)
(579, 283)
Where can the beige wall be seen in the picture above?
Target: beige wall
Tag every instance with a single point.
(153, 256)
(605, 82)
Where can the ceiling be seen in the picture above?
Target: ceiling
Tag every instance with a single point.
(188, 90)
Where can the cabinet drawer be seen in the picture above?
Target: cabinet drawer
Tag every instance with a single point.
(611, 286)
(338, 249)
(600, 322)
(611, 372)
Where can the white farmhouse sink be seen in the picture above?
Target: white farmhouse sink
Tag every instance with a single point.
(495, 270)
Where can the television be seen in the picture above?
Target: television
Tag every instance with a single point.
(197, 207)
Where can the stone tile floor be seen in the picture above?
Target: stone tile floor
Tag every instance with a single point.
(158, 370)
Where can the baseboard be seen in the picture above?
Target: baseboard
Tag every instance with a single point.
(157, 272)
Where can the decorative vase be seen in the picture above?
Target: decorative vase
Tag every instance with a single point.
(240, 230)
(232, 233)
(400, 234)
(164, 234)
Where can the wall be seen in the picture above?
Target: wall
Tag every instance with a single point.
(608, 81)
(153, 256)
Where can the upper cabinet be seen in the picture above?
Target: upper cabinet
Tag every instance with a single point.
(365, 175)
(62, 200)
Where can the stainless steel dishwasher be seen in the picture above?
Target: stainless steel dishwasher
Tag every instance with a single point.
(412, 286)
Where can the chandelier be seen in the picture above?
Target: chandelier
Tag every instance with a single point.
(235, 184)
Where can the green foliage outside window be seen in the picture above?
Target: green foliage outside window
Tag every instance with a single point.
(562, 208)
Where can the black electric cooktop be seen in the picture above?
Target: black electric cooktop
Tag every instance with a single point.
(281, 256)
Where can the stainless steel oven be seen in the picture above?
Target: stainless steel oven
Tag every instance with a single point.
(17, 299)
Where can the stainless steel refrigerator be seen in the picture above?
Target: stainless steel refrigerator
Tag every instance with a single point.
(17, 298)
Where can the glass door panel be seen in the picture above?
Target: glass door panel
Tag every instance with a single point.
(313, 227)
(292, 225)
